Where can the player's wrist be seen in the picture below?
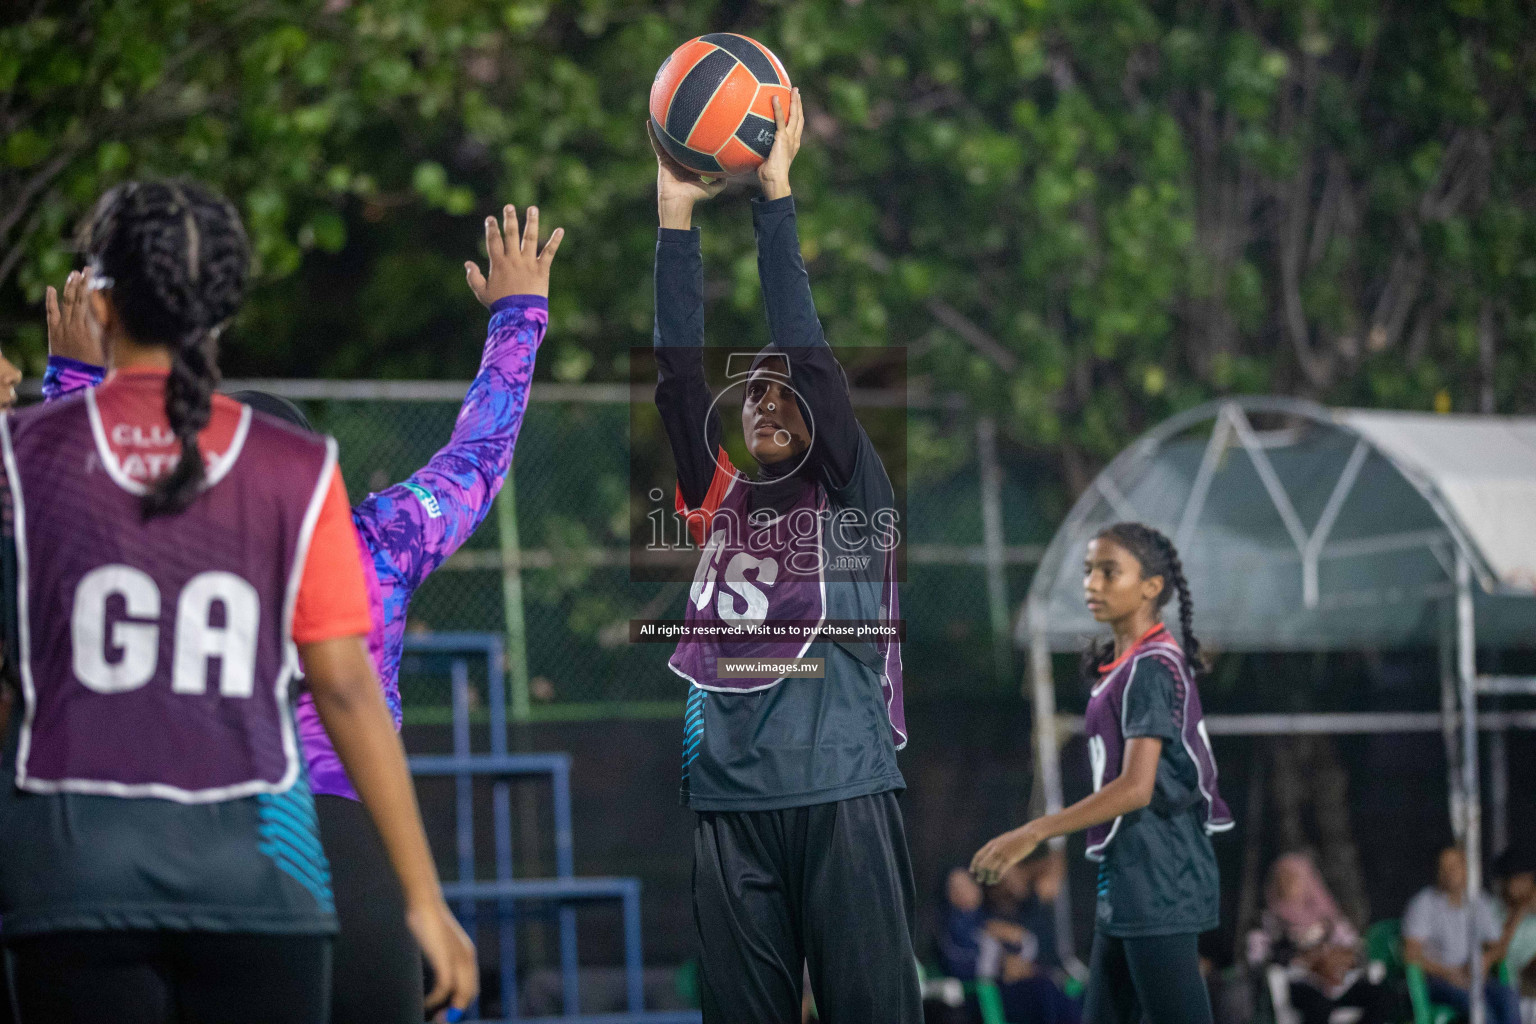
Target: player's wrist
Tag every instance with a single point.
(774, 187)
(511, 288)
(424, 900)
(676, 214)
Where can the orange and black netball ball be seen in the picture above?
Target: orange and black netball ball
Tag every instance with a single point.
(712, 103)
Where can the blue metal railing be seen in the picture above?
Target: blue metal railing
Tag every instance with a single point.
(463, 765)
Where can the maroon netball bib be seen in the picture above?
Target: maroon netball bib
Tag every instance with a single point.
(1103, 722)
(759, 573)
(156, 654)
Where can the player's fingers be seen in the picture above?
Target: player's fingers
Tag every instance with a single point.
(459, 975)
(530, 242)
(476, 279)
(466, 986)
(439, 994)
(796, 115)
(780, 118)
(665, 159)
(442, 979)
(493, 244)
(74, 298)
(71, 292)
(987, 867)
(553, 245)
(508, 226)
(51, 308)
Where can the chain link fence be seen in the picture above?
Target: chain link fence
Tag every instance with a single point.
(550, 568)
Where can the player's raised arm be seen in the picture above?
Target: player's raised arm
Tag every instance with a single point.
(420, 522)
(682, 394)
(792, 321)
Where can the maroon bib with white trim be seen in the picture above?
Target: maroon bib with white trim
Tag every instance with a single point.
(156, 654)
(755, 569)
(1104, 724)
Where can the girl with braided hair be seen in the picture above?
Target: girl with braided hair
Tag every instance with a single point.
(1154, 804)
(407, 531)
(177, 557)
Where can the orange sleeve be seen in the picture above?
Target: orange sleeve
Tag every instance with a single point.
(700, 519)
(332, 600)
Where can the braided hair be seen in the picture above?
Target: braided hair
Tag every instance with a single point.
(177, 259)
(1158, 557)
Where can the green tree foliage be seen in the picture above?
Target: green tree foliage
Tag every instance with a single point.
(295, 112)
(1081, 214)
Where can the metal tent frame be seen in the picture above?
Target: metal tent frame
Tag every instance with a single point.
(1046, 624)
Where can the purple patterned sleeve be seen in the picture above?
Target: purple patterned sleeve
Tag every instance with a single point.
(414, 526)
(411, 528)
(65, 376)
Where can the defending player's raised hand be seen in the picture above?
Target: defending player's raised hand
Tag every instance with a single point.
(678, 188)
(10, 376)
(72, 330)
(518, 267)
(1002, 853)
(773, 173)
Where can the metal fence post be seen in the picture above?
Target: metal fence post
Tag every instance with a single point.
(463, 790)
(993, 542)
(1449, 721)
(1466, 671)
(1040, 690)
(512, 598)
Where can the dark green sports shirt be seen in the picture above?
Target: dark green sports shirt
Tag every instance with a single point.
(1159, 875)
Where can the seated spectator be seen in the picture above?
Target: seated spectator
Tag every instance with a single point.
(1021, 908)
(1022, 917)
(1516, 869)
(963, 940)
(1303, 930)
(1009, 937)
(1436, 932)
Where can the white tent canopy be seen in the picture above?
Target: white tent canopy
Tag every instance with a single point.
(1303, 528)
(1319, 529)
(1480, 471)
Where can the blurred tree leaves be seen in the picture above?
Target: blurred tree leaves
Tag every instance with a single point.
(1082, 214)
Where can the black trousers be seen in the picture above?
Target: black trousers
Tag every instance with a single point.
(376, 977)
(1155, 975)
(826, 887)
(163, 977)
